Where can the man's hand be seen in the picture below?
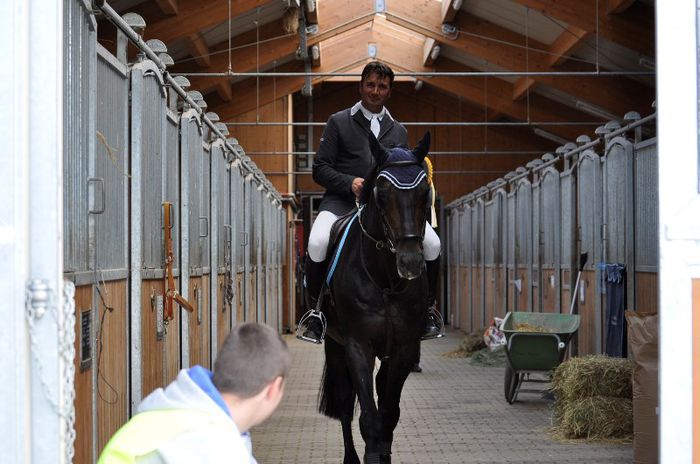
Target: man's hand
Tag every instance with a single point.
(357, 184)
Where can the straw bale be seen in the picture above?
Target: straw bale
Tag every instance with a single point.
(597, 417)
(593, 375)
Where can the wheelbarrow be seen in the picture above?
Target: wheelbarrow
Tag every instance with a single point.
(535, 343)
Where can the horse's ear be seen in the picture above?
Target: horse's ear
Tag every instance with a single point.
(421, 150)
(378, 151)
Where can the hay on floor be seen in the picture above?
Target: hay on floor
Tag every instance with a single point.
(472, 342)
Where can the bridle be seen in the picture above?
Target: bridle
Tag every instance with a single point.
(389, 240)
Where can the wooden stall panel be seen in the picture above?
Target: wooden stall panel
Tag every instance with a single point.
(490, 281)
(464, 296)
(199, 322)
(111, 360)
(647, 292)
(499, 295)
(589, 319)
(549, 290)
(83, 383)
(223, 314)
(160, 353)
(566, 289)
(523, 295)
(252, 309)
(476, 296)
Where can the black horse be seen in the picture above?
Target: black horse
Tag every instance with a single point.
(377, 300)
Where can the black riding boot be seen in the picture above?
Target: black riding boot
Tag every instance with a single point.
(434, 327)
(314, 274)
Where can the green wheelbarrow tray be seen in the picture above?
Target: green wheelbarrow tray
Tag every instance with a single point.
(535, 351)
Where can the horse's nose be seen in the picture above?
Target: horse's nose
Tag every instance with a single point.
(409, 264)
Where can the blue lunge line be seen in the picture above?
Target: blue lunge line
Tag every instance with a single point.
(340, 246)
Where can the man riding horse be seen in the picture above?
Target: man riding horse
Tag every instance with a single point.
(342, 161)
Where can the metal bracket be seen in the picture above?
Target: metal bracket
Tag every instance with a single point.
(39, 294)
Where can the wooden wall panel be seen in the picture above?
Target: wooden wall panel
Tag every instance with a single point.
(83, 385)
(199, 329)
(223, 318)
(499, 297)
(465, 295)
(647, 292)
(453, 288)
(491, 291)
(549, 292)
(587, 310)
(240, 298)
(266, 139)
(476, 297)
(160, 358)
(523, 295)
(112, 362)
(430, 104)
(252, 310)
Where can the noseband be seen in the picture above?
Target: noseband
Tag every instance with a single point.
(389, 242)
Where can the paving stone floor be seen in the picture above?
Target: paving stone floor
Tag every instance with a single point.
(452, 412)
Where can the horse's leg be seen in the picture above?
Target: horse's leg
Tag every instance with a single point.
(390, 381)
(361, 364)
(338, 396)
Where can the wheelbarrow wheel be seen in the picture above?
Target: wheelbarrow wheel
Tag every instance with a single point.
(510, 384)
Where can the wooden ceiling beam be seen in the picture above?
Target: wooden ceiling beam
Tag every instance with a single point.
(199, 49)
(428, 48)
(618, 6)
(448, 10)
(566, 44)
(169, 7)
(633, 30)
(196, 16)
(522, 86)
(617, 95)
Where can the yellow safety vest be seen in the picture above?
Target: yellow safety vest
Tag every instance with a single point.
(149, 430)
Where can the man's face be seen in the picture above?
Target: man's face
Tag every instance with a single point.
(375, 91)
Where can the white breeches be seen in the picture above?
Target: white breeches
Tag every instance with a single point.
(321, 231)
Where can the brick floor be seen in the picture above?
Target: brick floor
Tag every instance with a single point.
(452, 412)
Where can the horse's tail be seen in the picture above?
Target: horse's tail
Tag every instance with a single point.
(336, 397)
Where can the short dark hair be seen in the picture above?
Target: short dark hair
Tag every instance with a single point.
(380, 69)
(251, 357)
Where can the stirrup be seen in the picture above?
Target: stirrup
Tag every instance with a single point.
(439, 324)
(304, 323)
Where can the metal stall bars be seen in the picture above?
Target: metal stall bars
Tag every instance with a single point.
(549, 237)
(148, 192)
(83, 202)
(220, 289)
(248, 247)
(465, 298)
(589, 220)
(646, 227)
(238, 235)
(522, 280)
(195, 332)
(110, 374)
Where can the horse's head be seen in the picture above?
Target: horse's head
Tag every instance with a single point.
(401, 194)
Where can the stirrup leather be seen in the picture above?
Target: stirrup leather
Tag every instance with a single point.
(304, 322)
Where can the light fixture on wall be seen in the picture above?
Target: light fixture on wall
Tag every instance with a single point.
(419, 85)
(595, 111)
(549, 136)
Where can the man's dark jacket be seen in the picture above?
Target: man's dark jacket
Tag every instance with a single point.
(344, 154)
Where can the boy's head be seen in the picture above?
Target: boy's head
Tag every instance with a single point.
(251, 365)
